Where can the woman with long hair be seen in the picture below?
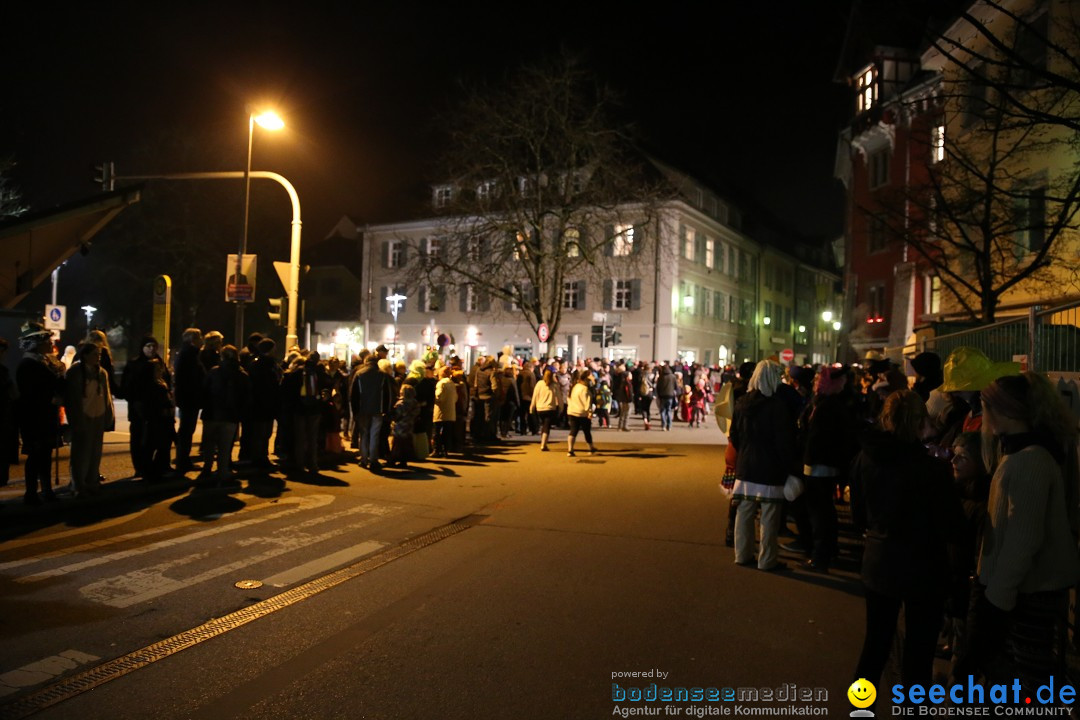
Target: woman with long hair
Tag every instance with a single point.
(1017, 624)
(579, 410)
(546, 401)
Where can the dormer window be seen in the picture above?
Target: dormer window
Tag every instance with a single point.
(865, 90)
(485, 190)
(443, 195)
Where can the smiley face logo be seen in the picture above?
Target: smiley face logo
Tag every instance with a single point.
(862, 693)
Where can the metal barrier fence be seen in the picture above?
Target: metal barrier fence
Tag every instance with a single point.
(1049, 339)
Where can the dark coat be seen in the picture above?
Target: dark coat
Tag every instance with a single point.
(190, 375)
(39, 416)
(763, 434)
(829, 432)
(666, 386)
(265, 374)
(226, 393)
(372, 391)
(909, 506)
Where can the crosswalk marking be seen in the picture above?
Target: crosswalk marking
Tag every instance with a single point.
(323, 564)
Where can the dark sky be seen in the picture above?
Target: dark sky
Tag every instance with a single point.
(739, 92)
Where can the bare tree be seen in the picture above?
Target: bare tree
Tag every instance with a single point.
(997, 206)
(11, 202)
(543, 189)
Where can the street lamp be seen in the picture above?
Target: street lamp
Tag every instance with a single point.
(827, 315)
(395, 301)
(269, 121)
(89, 310)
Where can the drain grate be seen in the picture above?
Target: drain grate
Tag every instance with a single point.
(69, 687)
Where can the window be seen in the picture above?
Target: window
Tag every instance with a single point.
(876, 239)
(572, 242)
(1030, 49)
(1030, 214)
(434, 246)
(733, 309)
(395, 257)
(485, 191)
(937, 143)
(622, 294)
(876, 303)
(443, 195)
(745, 312)
(687, 242)
(705, 298)
(570, 295)
(432, 298)
(710, 252)
(622, 244)
(768, 279)
(975, 101)
(864, 89)
(719, 305)
(744, 266)
(475, 249)
(931, 294)
(469, 299)
(878, 168)
(731, 261)
(768, 312)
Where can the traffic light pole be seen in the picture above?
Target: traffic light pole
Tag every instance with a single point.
(293, 288)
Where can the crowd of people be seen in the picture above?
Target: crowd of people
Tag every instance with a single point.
(963, 482)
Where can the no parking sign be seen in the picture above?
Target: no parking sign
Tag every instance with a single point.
(56, 317)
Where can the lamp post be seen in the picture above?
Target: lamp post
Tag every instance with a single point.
(395, 301)
(269, 121)
(89, 310)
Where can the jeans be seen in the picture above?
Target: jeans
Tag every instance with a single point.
(217, 442)
(87, 437)
(370, 431)
(768, 549)
(922, 622)
(667, 404)
(189, 419)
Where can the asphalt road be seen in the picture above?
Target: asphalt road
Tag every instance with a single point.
(563, 576)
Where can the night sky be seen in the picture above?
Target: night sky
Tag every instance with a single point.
(739, 94)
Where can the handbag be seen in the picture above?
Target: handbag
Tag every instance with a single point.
(793, 488)
(727, 483)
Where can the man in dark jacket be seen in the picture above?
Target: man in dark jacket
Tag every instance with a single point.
(138, 384)
(189, 376)
(39, 382)
(486, 385)
(226, 396)
(265, 373)
(371, 399)
(665, 395)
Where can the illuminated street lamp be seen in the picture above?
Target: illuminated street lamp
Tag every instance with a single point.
(89, 310)
(269, 121)
(836, 326)
(395, 301)
(766, 320)
(827, 316)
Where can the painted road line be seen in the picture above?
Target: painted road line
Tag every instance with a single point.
(123, 591)
(306, 503)
(43, 670)
(323, 564)
(172, 542)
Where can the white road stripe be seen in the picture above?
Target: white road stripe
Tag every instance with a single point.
(148, 583)
(142, 550)
(305, 503)
(323, 564)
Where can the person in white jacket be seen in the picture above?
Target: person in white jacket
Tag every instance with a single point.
(579, 410)
(546, 402)
(445, 412)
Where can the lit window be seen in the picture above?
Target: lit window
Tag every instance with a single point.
(710, 252)
(570, 295)
(470, 298)
(485, 190)
(434, 245)
(688, 243)
(623, 242)
(876, 302)
(572, 237)
(931, 294)
(937, 143)
(622, 294)
(443, 195)
(864, 87)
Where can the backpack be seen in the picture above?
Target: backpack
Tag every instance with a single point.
(643, 389)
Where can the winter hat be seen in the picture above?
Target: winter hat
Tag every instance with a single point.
(969, 370)
(266, 346)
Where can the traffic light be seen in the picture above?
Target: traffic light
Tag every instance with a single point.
(279, 310)
(616, 338)
(105, 173)
(598, 333)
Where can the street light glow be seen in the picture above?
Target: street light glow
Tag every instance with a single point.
(827, 316)
(767, 320)
(802, 328)
(269, 120)
(836, 326)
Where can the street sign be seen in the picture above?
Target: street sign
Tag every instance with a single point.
(542, 333)
(787, 355)
(162, 312)
(56, 317)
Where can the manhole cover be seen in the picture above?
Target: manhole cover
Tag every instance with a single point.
(248, 584)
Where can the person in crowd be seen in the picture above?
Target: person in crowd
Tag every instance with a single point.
(137, 382)
(372, 400)
(309, 385)
(603, 405)
(973, 485)
(247, 355)
(445, 413)
(189, 375)
(763, 434)
(526, 379)
(102, 341)
(486, 389)
(725, 413)
(226, 393)
(266, 379)
(909, 507)
(403, 419)
(508, 398)
(158, 411)
(565, 380)
(666, 391)
(39, 383)
(967, 372)
(646, 390)
(89, 407)
(210, 354)
(579, 409)
(68, 358)
(622, 394)
(1028, 562)
(698, 398)
(462, 386)
(828, 431)
(546, 403)
(9, 422)
(928, 375)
